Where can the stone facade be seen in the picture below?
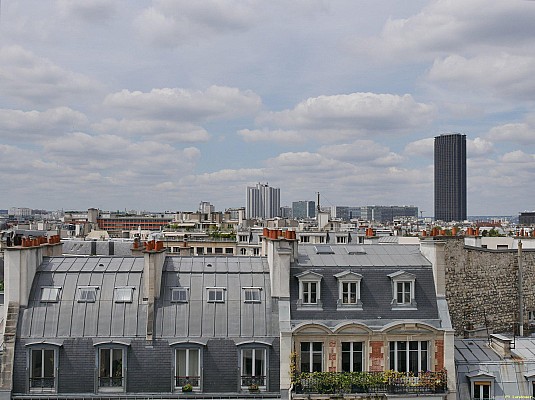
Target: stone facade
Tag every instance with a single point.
(482, 287)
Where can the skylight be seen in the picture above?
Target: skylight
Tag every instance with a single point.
(324, 249)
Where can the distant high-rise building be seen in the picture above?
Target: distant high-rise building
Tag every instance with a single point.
(303, 209)
(263, 201)
(387, 213)
(450, 177)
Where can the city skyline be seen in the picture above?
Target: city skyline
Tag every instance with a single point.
(158, 105)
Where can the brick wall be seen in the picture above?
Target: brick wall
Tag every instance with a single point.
(484, 283)
(439, 354)
(376, 356)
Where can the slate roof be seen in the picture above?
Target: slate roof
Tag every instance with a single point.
(374, 262)
(474, 357)
(106, 318)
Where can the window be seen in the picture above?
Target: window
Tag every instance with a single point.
(200, 250)
(349, 290)
(243, 251)
(229, 250)
(321, 239)
(179, 295)
(244, 238)
(311, 356)
(341, 239)
(208, 250)
(50, 294)
(481, 389)
(218, 250)
(188, 367)
(124, 294)
(216, 295)
(42, 370)
(408, 356)
(253, 367)
(352, 357)
(251, 295)
(111, 369)
(256, 251)
(305, 239)
(87, 294)
(403, 294)
(309, 290)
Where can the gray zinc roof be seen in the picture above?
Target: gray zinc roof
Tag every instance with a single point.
(199, 318)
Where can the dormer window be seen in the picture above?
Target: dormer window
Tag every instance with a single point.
(50, 294)
(87, 294)
(179, 295)
(403, 295)
(309, 290)
(124, 294)
(481, 385)
(349, 290)
(216, 295)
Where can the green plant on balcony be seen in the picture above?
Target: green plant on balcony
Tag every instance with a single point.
(187, 388)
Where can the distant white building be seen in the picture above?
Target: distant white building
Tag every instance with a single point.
(263, 201)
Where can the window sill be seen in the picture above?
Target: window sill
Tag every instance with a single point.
(111, 389)
(349, 307)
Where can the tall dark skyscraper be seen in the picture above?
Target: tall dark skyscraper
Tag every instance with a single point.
(450, 177)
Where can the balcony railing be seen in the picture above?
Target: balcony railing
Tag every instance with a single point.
(371, 382)
(42, 383)
(109, 382)
(194, 381)
(248, 380)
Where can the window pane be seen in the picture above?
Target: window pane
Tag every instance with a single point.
(305, 357)
(247, 362)
(193, 362)
(313, 292)
(402, 357)
(105, 363)
(117, 363)
(400, 292)
(407, 298)
(316, 362)
(259, 362)
(346, 360)
(48, 364)
(37, 364)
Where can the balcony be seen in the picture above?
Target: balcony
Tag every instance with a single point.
(390, 382)
(194, 381)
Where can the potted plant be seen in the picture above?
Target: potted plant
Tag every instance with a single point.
(187, 388)
(253, 387)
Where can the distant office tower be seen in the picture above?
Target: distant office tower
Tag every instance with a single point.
(387, 213)
(263, 201)
(303, 209)
(450, 177)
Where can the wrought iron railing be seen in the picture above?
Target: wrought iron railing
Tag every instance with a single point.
(42, 383)
(194, 381)
(106, 381)
(371, 382)
(248, 380)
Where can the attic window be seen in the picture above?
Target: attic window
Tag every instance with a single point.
(50, 294)
(355, 250)
(179, 295)
(324, 249)
(124, 294)
(251, 294)
(87, 294)
(216, 295)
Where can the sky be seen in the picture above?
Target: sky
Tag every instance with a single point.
(159, 105)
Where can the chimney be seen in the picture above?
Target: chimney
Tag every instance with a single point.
(154, 255)
(281, 251)
(501, 345)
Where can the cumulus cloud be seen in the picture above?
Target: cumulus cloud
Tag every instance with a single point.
(521, 132)
(451, 26)
(177, 104)
(355, 111)
(518, 157)
(169, 131)
(93, 11)
(503, 74)
(37, 125)
(170, 23)
(23, 75)
(362, 151)
(423, 147)
(478, 147)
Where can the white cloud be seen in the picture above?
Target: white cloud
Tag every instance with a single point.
(478, 147)
(23, 75)
(92, 11)
(175, 104)
(169, 131)
(423, 147)
(362, 151)
(36, 125)
(522, 133)
(355, 111)
(171, 23)
(519, 157)
(503, 74)
(266, 135)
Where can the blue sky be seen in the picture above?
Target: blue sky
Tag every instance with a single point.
(159, 105)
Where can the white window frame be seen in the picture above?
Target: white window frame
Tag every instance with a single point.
(195, 383)
(252, 294)
(123, 294)
(306, 281)
(111, 388)
(83, 294)
(50, 294)
(311, 354)
(246, 380)
(179, 292)
(403, 278)
(215, 294)
(41, 388)
(352, 353)
(349, 277)
(394, 351)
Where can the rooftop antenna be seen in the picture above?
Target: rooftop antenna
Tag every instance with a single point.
(318, 202)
